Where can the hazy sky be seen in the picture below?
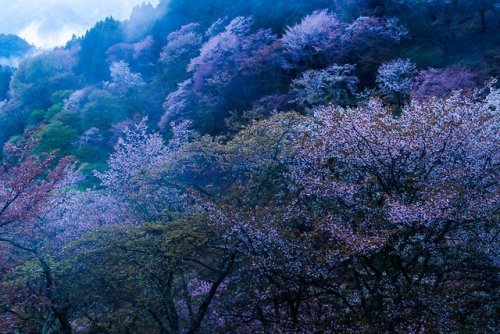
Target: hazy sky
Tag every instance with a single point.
(49, 23)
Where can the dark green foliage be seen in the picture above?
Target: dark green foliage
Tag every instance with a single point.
(56, 136)
(95, 43)
(5, 76)
(13, 46)
(38, 78)
(273, 14)
(103, 109)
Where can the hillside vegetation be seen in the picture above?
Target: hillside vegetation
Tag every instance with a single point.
(255, 167)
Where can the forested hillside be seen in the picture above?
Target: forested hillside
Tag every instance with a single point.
(252, 166)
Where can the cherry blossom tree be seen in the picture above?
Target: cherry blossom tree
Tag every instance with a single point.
(220, 56)
(123, 79)
(316, 35)
(332, 85)
(26, 184)
(218, 63)
(402, 197)
(369, 30)
(214, 61)
(143, 47)
(81, 212)
(354, 216)
(178, 102)
(368, 41)
(29, 185)
(395, 79)
(320, 39)
(136, 173)
(438, 83)
(181, 44)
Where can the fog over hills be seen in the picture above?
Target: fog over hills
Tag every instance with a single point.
(49, 23)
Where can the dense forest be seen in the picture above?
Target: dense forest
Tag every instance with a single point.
(252, 166)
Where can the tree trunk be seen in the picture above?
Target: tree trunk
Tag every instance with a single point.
(202, 310)
(64, 323)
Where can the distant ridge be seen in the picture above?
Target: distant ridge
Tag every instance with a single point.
(50, 23)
